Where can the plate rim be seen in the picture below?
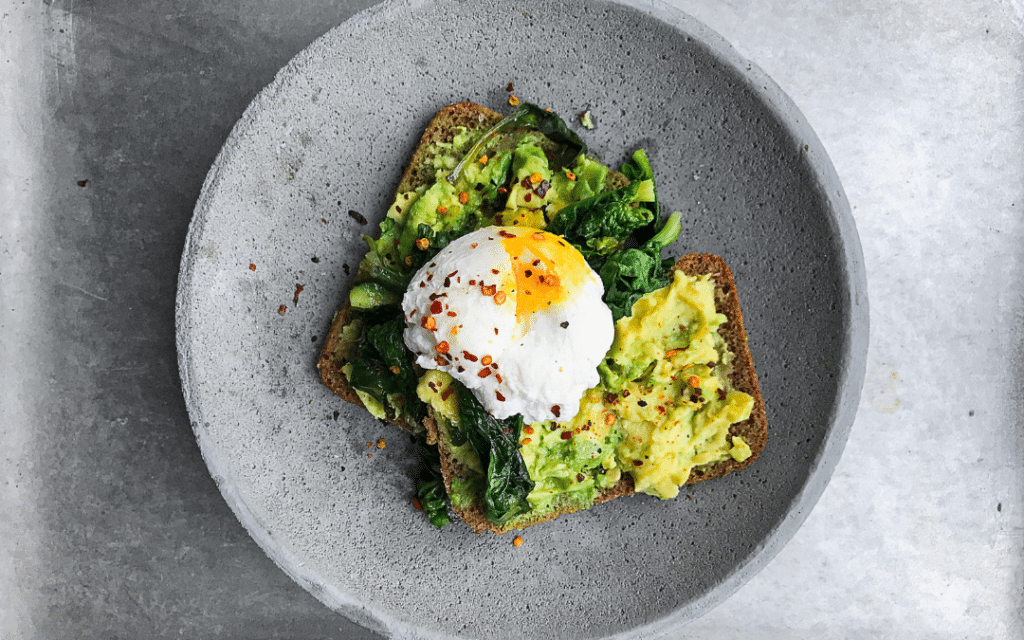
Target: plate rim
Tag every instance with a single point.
(853, 354)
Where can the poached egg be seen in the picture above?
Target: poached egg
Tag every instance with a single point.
(514, 314)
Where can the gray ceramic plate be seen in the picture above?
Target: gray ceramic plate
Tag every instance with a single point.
(331, 134)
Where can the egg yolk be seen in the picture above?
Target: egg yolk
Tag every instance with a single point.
(546, 270)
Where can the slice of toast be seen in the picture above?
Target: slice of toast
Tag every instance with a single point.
(754, 430)
(420, 172)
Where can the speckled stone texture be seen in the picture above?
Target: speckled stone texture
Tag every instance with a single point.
(272, 251)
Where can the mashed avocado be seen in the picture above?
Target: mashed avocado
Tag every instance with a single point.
(664, 407)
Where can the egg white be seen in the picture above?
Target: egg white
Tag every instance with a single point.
(539, 364)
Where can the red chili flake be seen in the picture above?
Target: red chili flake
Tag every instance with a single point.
(536, 262)
(323, 220)
(282, 309)
(252, 267)
(441, 362)
(484, 373)
(525, 182)
(447, 393)
(566, 435)
(433, 387)
(661, 409)
(422, 284)
(435, 307)
(489, 290)
(564, 325)
(527, 197)
(506, 234)
(497, 394)
(447, 282)
(495, 271)
(580, 477)
(429, 323)
(495, 330)
(472, 283)
(298, 290)
(509, 87)
(461, 369)
(497, 377)
(469, 356)
(451, 314)
(442, 347)
(528, 273)
(555, 409)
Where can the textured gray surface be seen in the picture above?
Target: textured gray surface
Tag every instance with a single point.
(330, 135)
(110, 525)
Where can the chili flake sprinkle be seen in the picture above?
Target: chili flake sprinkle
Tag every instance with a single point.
(514, 101)
(517, 541)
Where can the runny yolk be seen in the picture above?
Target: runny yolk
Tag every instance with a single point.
(546, 268)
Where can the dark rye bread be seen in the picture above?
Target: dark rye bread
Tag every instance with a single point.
(754, 430)
(420, 172)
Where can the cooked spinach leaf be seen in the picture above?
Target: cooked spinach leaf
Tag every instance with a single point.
(383, 367)
(601, 225)
(568, 148)
(496, 443)
(430, 490)
(631, 273)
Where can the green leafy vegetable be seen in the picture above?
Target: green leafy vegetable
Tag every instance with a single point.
(496, 443)
(382, 366)
(430, 491)
(569, 145)
(601, 224)
(631, 273)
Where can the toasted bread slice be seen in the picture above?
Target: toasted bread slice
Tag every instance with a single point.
(420, 173)
(442, 129)
(754, 430)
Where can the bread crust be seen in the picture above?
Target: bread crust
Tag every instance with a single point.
(441, 129)
(742, 375)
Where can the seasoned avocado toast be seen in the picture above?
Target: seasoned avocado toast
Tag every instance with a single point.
(678, 400)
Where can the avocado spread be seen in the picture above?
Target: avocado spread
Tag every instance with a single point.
(664, 407)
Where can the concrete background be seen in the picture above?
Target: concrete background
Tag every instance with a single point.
(111, 113)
